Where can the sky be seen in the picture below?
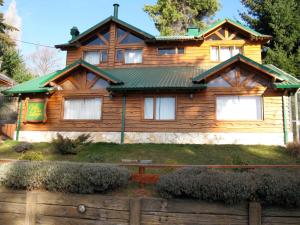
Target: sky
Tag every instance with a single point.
(48, 22)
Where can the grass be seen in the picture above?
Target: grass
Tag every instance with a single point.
(163, 153)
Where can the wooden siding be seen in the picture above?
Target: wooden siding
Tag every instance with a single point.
(196, 54)
(197, 114)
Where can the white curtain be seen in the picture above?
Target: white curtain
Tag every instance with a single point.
(148, 108)
(83, 109)
(236, 51)
(214, 56)
(239, 108)
(165, 108)
(225, 53)
(133, 56)
(92, 57)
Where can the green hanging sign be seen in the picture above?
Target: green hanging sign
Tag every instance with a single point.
(36, 110)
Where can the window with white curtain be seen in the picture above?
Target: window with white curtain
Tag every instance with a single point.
(133, 56)
(92, 57)
(224, 52)
(82, 109)
(239, 108)
(148, 108)
(165, 108)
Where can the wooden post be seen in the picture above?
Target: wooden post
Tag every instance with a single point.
(135, 211)
(254, 213)
(30, 216)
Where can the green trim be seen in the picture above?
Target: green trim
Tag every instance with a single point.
(123, 118)
(116, 20)
(234, 22)
(19, 118)
(120, 88)
(285, 132)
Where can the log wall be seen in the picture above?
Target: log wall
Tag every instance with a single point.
(43, 208)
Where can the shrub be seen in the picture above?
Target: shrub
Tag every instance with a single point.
(65, 145)
(22, 147)
(62, 176)
(293, 149)
(269, 187)
(32, 156)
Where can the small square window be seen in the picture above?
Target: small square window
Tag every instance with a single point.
(103, 56)
(180, 51)
(119, 55)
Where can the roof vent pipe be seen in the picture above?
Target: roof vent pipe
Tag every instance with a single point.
(116, 10)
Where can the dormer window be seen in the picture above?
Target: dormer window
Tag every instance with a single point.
(222, 53)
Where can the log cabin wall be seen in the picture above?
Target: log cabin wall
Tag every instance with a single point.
(196, 114)
(196, 53)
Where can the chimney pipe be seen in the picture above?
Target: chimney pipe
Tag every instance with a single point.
(116, 10)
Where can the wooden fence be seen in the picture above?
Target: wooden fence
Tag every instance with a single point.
(43, 208)
(8, 130)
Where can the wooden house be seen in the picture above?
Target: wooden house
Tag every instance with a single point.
(124, 85)
(5, 82)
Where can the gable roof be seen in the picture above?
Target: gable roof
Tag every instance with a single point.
(235, 23)
(245, 60)
(84, 64)
(73, 41)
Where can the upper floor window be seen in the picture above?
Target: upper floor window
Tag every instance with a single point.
(222, 53)
(170, 51)
(95, 57)
(125, 37)
(101, 38)
(160, 108)
(129, 56)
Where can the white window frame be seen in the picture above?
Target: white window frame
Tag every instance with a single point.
(232, 49)
(83, 118)
(239, 111)
(154, 108)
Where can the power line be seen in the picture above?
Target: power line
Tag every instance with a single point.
(36, 44)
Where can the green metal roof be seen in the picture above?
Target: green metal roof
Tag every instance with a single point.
(156, 78)
(176, 38)
(234, 22)
(32, 86)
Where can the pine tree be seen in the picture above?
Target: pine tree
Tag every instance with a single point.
(173, 17)
(280, 19)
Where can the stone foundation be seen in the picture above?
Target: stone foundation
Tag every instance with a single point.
(167, 138)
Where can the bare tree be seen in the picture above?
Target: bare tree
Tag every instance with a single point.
(43, 61)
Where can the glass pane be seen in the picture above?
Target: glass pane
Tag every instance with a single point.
(218, 82)
(165, 108)
(232, 76)
(119, 55)
(222, 31)
(90, 76)
(133, 56)
(120, 33)
(130, 39)
(94, 41)
(225, 53)
(103, 55)
(236, 50)
(83, 109)
(213, 37)
(100, 84)
(239, 108)
(214, 54)
(105, 33)
(148, 108)
(167, 51)
(180, 50)
(91, 57)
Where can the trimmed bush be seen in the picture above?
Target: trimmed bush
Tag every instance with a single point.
(293, 149)
(270, 187)
(63, 176)
(65, 145)
(32, 156)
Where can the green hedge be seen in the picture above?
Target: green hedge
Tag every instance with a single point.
(63, 176)
(280, 188)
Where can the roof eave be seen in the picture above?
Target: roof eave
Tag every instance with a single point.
(120, 89)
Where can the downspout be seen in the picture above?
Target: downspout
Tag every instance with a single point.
(296, 116)
(123, 118)
(19, 117)
(285, 133)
